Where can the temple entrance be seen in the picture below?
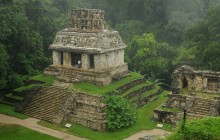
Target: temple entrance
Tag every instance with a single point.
(212, 84)
(92, 63)
(61, 58)
(76, 60)
(184, 83)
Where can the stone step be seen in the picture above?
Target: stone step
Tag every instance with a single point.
(93, 115)
(101, 105)
(131, 84)
(191, 115)
(97, 125)
(46, 103)
(90, 108)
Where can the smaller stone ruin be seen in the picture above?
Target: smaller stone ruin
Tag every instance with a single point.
(186, 84)
(187, 77)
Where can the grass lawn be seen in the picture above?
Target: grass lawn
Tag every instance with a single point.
(48, 81)
(10, 110)
(90, 88)
(144, 121)
(16, 132)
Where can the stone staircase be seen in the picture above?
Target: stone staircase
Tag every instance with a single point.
(200, 108)
(46, 103)
(89, 111)
(138, 92)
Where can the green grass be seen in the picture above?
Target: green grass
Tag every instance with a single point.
(24, 88)
(48, 81)
(94, 89)
(10, 95)
(133, 89)
(16, 132)
(175, 110)
(10, 110)
(149, 92)
(144, 121)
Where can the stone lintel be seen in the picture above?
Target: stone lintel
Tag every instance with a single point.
(83, 49)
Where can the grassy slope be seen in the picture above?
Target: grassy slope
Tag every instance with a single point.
(48, 81)
(91, 88)
(10, 110)
(16, 132)
(144, 121)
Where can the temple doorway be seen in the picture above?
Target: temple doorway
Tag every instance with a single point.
(92, 63)
(213, 84)
(76, 60)
(184, 83)
(61, 58)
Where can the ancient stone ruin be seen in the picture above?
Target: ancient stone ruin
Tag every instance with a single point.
(187, 77)
(196, 92)
(86, 51)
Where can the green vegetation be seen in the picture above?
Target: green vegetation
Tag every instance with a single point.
(47, 81)
(91, 88)
(120, 112)
(147, 93)
(10, 110)
(24, 88)
(202, 129)
(160, 35)
(14, 97)
(144, 121)
(12, 132)
(175, 110)
(133, 89)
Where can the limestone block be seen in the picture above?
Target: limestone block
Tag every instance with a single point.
(56, 58)
(67, 59)
(85, 61)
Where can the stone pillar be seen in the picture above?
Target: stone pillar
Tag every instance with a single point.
(85, 61)
(66, 59)
(56, 58)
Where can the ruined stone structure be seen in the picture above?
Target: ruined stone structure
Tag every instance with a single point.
(194, 82)
(86, 51)
(187, 77)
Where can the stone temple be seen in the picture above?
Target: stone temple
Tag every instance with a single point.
(197, 92)
(86, 51)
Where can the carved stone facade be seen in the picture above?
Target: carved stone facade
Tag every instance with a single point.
(86, 20)
(87, 47)
(193, 82)
(187, 77)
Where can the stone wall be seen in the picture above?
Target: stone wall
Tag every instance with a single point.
(167, 116)
(195, 80)
(98, 77)
(85, 109)
(131, 84)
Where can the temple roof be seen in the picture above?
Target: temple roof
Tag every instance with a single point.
(94, 38)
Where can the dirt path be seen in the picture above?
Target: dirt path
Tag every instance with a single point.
(32, 124)
(153, 132)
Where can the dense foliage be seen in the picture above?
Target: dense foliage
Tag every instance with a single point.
(203, 129)
(160, 34)
(120, 112)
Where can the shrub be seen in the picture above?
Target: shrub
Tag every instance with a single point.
(121, 113)
(203, 129)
